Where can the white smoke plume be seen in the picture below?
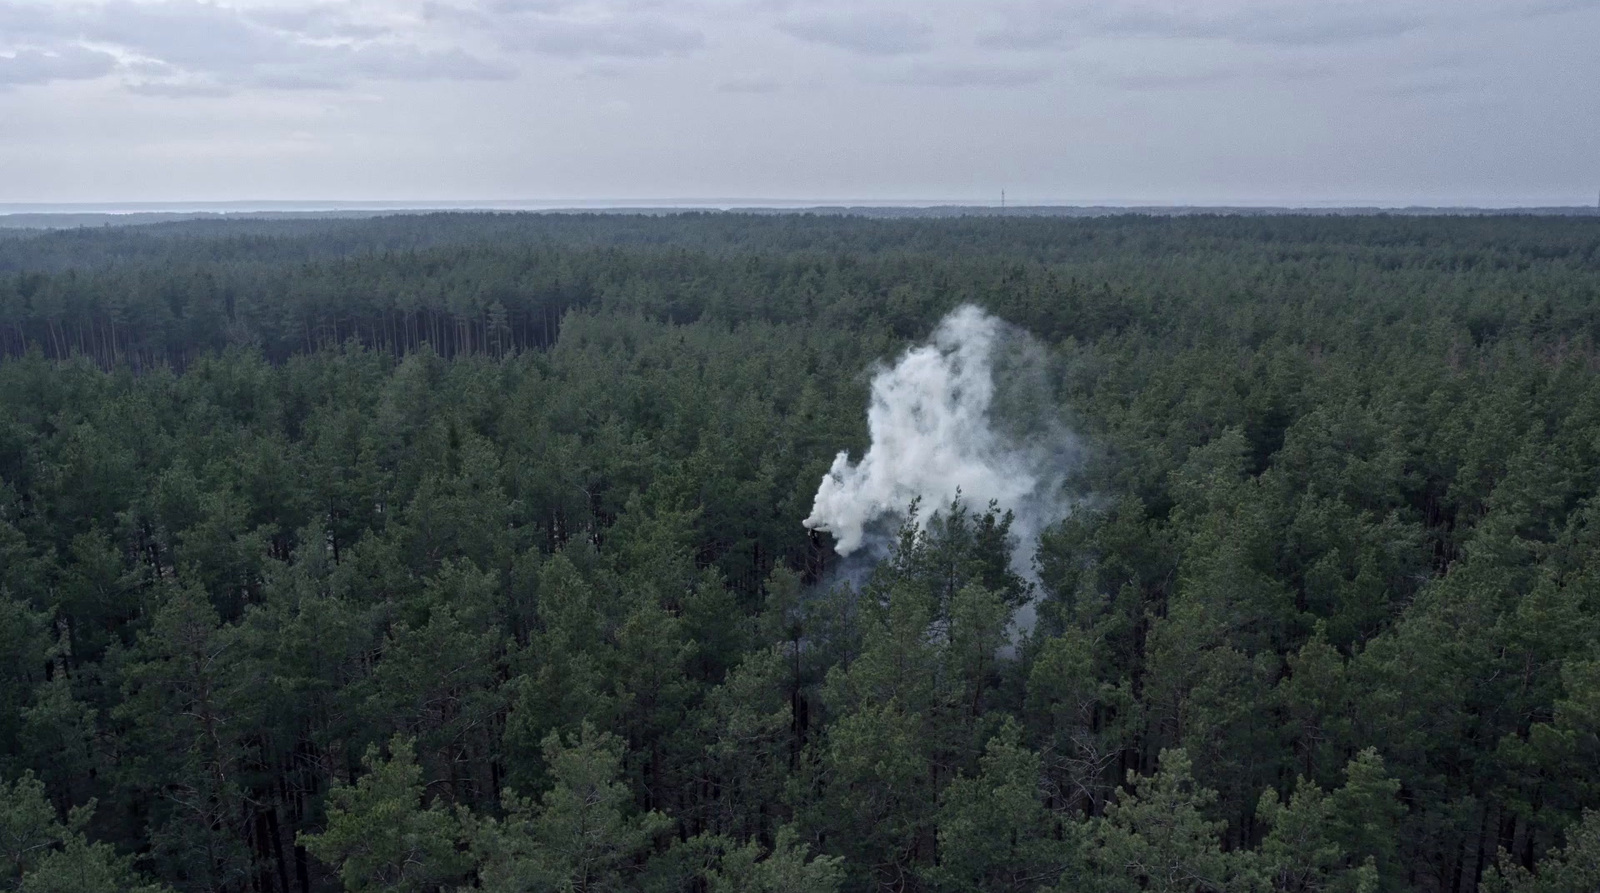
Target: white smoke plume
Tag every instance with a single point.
(968, 413)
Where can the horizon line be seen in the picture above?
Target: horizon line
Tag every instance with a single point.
(10, 208)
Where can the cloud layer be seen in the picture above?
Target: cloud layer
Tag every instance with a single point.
(1085, 100)
(192, 47)
(200, 46)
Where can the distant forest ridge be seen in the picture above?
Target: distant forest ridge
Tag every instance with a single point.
(67, 216)
(498, 283)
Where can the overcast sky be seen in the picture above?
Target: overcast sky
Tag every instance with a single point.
(1138, 101)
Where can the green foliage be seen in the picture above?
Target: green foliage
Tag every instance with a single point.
(511, 503)
(1158, 838)
(1571, 869)
(1332, 841)
(784, 868)
(580, 836)
(381, 836)
(29, 826)
(995, 832)
(82, 867)
(45, 855)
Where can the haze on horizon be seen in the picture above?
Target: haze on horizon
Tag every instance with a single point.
(1121, 101)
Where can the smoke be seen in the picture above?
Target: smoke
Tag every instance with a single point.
(970, 413)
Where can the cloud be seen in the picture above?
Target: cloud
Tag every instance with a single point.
(193, 35)
(617, 29)
(1052, 24)
(1435, 83)
(193, 48)
(1536, 8)
(386, 62)
(639, 38)
(316, 21)
(1043, 25)
(958, 76)
(1162, 80)
(64, 64)
(539, 6)
(1026, 36)
(882, 33)
(178, 89)
(759, 85)
(1331, 25)
(22, 21)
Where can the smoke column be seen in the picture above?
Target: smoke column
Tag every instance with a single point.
(970, 411)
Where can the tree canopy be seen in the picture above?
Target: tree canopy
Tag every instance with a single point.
(464, 551)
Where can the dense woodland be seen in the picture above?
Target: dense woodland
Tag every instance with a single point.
(452, 552)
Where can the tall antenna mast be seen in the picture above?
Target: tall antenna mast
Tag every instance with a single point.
(1002, 199)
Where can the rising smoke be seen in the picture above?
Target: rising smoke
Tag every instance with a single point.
(970, 413)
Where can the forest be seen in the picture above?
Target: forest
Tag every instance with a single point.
(465, 551)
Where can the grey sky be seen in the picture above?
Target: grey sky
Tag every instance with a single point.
(1145, 101)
